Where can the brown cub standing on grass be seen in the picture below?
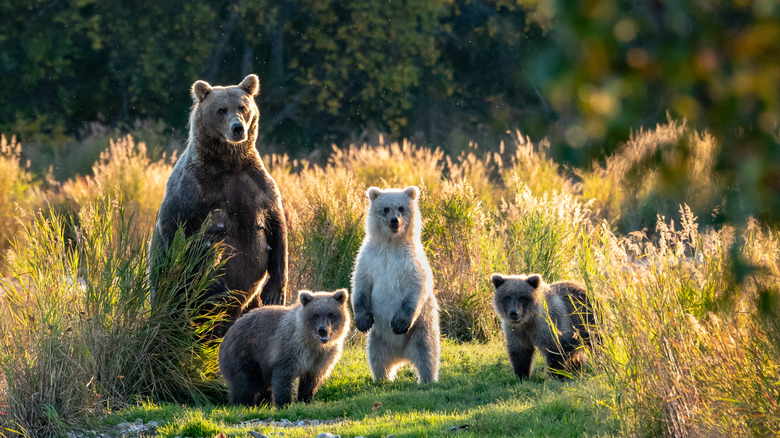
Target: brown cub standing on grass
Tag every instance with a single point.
(268, 348)
(520, 302)
(220, 179)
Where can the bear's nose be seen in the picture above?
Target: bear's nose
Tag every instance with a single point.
(394, 223)
(323, 333)
(238, 130)
(513, 315)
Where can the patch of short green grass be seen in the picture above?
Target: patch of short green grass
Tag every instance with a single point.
(477, 389)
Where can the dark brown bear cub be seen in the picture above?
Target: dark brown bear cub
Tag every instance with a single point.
(220, 179)
(527, 306)
(268, 348)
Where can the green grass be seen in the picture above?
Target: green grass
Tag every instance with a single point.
(477, 388)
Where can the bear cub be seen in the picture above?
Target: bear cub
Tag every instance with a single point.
(392, 288)
(220, 180)
(268, 348)
(524, 304)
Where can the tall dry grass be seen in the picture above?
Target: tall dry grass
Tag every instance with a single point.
(124, 170)
(655, 172)
(684, 345)
(78, 332)
(690, 341)
(19, 191)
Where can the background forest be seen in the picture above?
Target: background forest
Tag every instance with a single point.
(441, 73)
(633, 146)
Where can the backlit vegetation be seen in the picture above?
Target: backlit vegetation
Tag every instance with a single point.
(689, 337)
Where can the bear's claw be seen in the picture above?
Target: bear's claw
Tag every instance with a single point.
(400, 324)
(364, 322)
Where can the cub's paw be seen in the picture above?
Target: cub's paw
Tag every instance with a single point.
(400, 324)
(364, 321)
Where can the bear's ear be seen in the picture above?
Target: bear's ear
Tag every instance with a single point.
(340, 295)
(412, 192)
(200, 89)
(534, 280)
(305, 297)
(373, 193)
(250, 84)
(498, 280)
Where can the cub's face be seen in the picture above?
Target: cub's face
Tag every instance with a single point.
(392, 211)
(516, 297)
(227, 113)
(325, 314)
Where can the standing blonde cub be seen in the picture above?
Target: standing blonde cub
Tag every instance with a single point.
(392, 288)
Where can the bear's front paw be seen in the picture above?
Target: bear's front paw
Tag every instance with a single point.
(364, 322)
(400, 324)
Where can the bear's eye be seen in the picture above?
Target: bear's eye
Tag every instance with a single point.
(222, 111)
(331, 316)
(315, 316)
(506, 299)
(242, 109)
(387, 210)
(400, 209)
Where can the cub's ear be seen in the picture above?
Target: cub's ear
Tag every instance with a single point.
(340, 295)
(373, 193)
(200, 89)
(498, 280)
(534, 280)
(305, 297)
(412, 192)
(250, 84)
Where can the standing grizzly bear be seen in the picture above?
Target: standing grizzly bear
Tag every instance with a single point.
(220, 178)
(527, 306)
(392, 288)
(268, 348)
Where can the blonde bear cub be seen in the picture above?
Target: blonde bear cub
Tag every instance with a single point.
(392, 288)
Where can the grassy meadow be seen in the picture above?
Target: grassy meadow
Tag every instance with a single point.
(687, 304)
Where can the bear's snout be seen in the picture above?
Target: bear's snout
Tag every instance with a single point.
(323, 334)
(394, 224)
(513, 315)
(237, 130)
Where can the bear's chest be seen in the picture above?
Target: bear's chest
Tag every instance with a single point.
(240, 192)
(396, 274)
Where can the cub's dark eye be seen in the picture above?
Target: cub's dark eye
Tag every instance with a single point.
(401, 209)
(222, 111)
(315, 316)
(332, 316)
(242, 109)
(387, 210)
(506, 299)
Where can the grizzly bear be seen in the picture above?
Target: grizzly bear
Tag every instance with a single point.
(220, 177)
(392, 288)
(528, 306)
(268, 348)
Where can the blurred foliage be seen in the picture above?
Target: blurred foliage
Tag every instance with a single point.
(329, 70)
(613, 65)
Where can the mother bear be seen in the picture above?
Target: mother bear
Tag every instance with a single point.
(220, 179)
